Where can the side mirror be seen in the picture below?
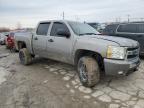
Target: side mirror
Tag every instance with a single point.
(63, 33)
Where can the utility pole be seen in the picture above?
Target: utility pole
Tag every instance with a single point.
(118, 19)
(63, 15)
(128, 18)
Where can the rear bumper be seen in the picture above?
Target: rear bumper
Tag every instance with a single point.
(120, 67)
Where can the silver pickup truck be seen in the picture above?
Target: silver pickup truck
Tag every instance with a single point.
(80, 45)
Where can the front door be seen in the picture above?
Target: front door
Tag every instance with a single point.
(59, 46)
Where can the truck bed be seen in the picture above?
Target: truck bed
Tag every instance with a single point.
(25, 37)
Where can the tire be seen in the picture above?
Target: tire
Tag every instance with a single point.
(25, 57)
(88, 71)
(6, 47)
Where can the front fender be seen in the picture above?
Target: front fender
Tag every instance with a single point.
(94, 46)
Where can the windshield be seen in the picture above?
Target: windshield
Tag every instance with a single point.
(94, 25)
(82, 29)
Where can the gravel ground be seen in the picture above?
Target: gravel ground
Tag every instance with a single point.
(51, 84)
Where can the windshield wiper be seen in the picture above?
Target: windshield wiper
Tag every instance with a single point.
(88, 34)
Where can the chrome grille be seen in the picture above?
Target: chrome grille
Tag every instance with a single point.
(132, 52)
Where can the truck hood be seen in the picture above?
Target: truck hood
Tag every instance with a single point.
(119, 40)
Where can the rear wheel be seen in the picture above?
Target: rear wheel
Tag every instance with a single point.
(25, 57)
(88, 70)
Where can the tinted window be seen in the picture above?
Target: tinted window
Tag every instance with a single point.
(110, 29)
(12, 34)
(129, 28)
(43, 28)
(140, 28)
(58, 26)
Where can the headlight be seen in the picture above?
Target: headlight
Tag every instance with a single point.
(116, 52)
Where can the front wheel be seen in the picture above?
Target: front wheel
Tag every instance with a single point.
(25, 57)
(88, 71)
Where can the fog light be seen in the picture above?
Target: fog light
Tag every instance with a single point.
(120, 72)
(132, 65)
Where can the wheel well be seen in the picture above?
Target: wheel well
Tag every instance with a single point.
(95, 55)
(21, 45)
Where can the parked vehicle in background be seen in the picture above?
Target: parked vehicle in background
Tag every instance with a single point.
(9, 40)
(110, 29)
(2, 39)
(132, 30)
(6, 34)
(98, 26)
(78, 44)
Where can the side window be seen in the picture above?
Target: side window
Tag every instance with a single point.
(132, 28)
(140, 28)
(107, 29)
(58, 26)
(42, 28)
(12, 34)
(128, 28)
(122, 28)
(110, 29)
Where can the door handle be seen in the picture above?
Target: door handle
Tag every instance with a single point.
(35, 38)
(50, 40)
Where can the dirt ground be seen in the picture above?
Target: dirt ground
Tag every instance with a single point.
(51, 84)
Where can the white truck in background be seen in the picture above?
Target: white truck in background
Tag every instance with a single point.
(2, 39)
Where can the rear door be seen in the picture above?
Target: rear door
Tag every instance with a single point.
(40, 39)
(127, 31)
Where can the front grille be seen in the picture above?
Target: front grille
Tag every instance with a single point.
(131, 49)
(131, 56)
(132, 53)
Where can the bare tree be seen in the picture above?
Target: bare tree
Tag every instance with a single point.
(2, 29)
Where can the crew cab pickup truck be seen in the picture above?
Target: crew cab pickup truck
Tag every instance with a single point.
(80, 45)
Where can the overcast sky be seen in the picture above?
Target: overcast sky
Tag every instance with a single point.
(29, 12)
